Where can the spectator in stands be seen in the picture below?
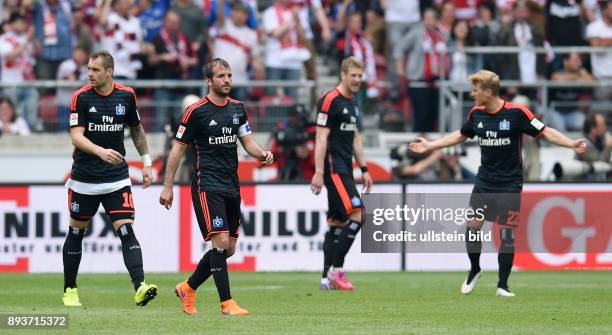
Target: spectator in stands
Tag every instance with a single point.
(525, 66)
(566, 113)
(74, 68)
(53, 24)
(285, 46)
(172, 59)
(563, 23)
(425, 49)
(192, 22)
(462, 64)
(82, 35)
(466, 9)
(24, 7)
(353, 41)
(122, 36)
(372, 17)
(599, 34)
(599, 141)
(10, 122)
(401, 17)
(238, 44)
(447, 19)
(306, 9)
(485, 30)
(195, 26)
(592, 10)
(17, 49)
(88, 8)
(151, 14)
(250, 5)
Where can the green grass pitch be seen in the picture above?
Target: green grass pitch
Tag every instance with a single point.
(291, 303)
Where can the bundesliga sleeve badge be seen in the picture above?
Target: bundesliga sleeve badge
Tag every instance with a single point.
(537, 124)
(322, 119)
(180, 132)
(74, 119)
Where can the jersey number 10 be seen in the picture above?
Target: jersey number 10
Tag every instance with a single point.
(128, 200)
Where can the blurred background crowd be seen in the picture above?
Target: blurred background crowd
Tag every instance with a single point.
(408, 47)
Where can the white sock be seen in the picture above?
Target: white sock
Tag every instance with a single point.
(324, 281)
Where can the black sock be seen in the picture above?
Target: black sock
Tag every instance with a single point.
(72, 251)
(218, 267)
(505, 258)
(201, 273)
(473, 248)
(346, 239)
(330, 244)
(132, 255)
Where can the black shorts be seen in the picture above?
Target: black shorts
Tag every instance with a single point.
(119, 205)
(217, 213)
(500, 205)
(342, 196)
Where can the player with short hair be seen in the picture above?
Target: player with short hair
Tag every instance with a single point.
(499, 126)
(337, 141)
(213, 125)
(98, 113)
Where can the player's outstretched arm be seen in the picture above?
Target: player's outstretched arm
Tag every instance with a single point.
(316, 184)
(176, 153)
(140, 142)
(255, 151)
(423, 145)
(77, 134)
(557, 138)
(360, 159)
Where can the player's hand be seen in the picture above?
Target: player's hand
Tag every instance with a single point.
(267, 157)
(579, 146)
(110, 156)
(420, 146)
(316, 184)
(367, 182)
(165, 198)
(147, 176)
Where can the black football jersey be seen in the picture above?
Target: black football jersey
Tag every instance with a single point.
(104, 118)
(213, 131)
(500, 138)
(339, 114)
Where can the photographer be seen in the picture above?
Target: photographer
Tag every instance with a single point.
(599, 143)
(440, 165)
(293, 145)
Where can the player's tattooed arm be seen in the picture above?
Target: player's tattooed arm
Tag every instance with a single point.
(140, 139)
(140, 142)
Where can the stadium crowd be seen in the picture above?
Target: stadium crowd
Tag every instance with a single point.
(402, 42)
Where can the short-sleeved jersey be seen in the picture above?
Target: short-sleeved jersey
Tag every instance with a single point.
(213, 130)
(500, 138)
(339, 114)
(104, 118)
